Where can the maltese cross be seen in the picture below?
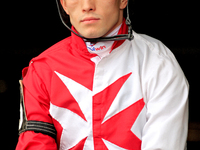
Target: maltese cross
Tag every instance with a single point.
(100, 121)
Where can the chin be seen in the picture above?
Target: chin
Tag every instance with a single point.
(92, 36)
(93, 33)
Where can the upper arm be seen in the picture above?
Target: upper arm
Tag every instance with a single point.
(166, 92)
(36, 106)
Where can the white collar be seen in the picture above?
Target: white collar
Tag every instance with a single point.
(102, 48)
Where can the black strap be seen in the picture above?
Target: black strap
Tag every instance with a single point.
(128, 36)
(40, 127)
(32, 125)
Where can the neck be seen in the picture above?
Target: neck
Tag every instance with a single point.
(102, 48)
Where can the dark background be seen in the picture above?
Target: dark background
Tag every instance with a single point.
(30, 27)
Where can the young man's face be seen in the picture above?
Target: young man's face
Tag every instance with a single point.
(94, 18)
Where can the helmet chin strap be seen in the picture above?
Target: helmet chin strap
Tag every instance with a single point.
(128, 36)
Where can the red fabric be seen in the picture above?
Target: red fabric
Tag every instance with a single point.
(81, 44)
(70, 57)
(35, 141)
(24, 71)
(80, 145)
(118, 124)
(122, 30)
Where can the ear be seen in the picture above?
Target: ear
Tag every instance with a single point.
(64, 5)
(123, 4)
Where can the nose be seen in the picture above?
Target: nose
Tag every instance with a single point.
(88, 5)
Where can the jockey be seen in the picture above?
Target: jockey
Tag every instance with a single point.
(105, 87)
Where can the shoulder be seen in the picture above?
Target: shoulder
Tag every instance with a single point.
(161, 73)
(53, 53)
(157, 59)
(154, 51)
(151, 45)
(60, 46)
(41, 64)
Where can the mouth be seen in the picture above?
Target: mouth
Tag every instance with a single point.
(90, 20)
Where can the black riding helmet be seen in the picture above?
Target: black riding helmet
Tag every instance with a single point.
(129, 36)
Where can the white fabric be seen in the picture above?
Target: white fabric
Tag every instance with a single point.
(163, 85)
(75, 128)
(102, 48)
(111, 146)
(155, 76)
